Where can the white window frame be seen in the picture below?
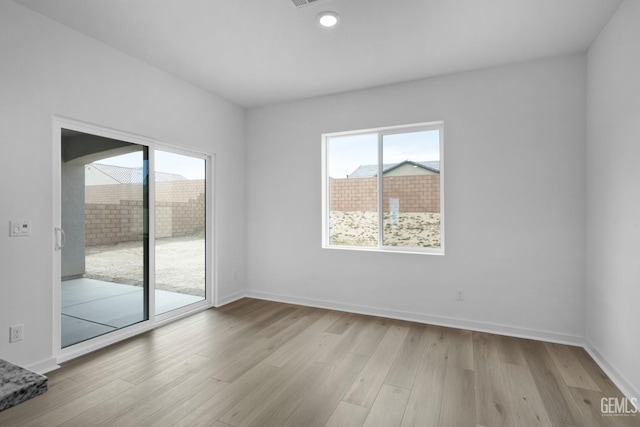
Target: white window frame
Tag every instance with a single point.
(381, 132)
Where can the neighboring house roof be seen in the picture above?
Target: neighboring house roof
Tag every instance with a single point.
(124, 175)
(368, 171)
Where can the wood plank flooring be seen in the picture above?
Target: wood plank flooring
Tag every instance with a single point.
(260, 363)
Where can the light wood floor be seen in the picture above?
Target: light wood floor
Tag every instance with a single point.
(259, 363)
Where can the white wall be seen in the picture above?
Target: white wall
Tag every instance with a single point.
(514, 200)
(613, 198)
(48, 69)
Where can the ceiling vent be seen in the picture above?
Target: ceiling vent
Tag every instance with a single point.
(303, 3)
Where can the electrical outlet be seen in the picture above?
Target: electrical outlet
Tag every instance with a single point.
(460, 294)
(16, 333)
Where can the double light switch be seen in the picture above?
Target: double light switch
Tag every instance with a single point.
(20, 228)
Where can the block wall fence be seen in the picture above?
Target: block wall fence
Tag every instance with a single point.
(417, 193)
(113, 213)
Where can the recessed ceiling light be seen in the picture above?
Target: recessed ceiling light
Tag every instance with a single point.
(328, 19)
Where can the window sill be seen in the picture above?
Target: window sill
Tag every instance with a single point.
(388, 249)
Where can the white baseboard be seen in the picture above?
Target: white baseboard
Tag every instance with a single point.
(614, 375)
(493, 328)
(625, 387)
(230, 298)
(44, 366)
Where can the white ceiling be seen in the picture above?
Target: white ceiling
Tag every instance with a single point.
(256, 52)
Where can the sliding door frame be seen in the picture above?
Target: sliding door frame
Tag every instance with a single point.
(64, 354)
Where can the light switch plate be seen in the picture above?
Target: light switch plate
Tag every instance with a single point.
(19, 228)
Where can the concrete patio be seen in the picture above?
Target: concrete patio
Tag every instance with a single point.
(93, 307)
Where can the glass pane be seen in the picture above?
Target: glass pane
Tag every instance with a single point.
(411, 189)
(180, 218)
(352, 163)
(105, 219)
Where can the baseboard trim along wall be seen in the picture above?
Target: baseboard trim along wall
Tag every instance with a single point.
(44, 366)
(230, 298)
(493, 328)
(627, 389)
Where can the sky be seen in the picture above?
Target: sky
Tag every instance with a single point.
(347, 153)
(189, 167)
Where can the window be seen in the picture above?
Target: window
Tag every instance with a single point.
(383, 189)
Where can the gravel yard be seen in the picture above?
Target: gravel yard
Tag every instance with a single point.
(180, 264)
(414, 229)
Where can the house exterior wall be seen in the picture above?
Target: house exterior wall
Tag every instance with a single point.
(94, 176)
(405, 170)
(72, 221)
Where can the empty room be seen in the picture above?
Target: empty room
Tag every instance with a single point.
(320, 213)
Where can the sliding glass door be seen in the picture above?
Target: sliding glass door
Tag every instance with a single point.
(105, 224)
(180, 231)
(115, 270)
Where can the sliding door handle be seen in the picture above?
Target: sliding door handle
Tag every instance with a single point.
(61, 238)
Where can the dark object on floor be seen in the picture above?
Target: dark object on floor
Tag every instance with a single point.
(18, 384)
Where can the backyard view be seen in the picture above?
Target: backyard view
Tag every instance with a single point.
(115, 271)
(180, 264)
(410, 189)
(114, 251)
(415, 229)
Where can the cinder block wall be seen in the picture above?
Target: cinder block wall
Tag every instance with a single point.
(418, 193)
(113, 213)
